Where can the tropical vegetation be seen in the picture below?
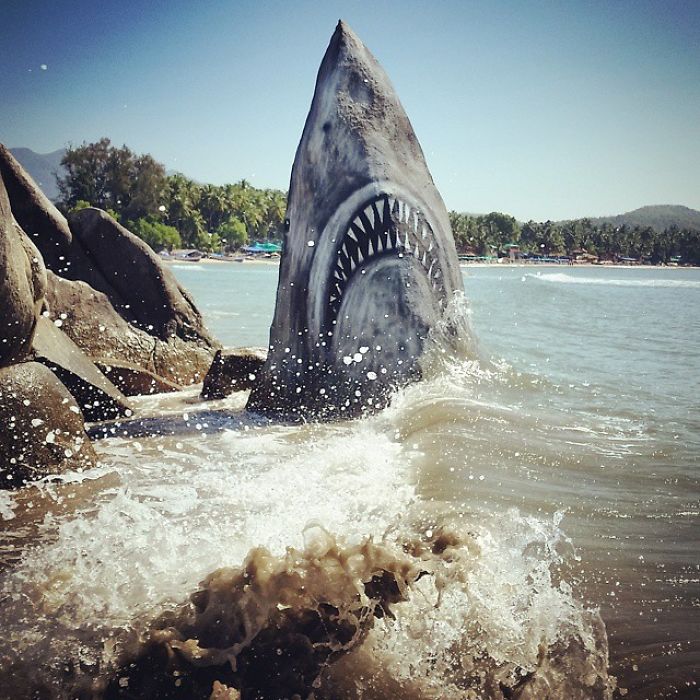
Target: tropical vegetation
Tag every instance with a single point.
(172, 211)
(495, 233)
(167, 211)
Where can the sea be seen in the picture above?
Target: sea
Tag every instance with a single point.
(535, 499)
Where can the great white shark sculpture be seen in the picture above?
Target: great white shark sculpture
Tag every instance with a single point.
(369, 261)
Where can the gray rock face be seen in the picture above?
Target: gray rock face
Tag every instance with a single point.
(37, 216)
(143, 288)
(369, 261)
(42, 430)
(89, 318)
(232, 370)
(22, 286)
(98, 398)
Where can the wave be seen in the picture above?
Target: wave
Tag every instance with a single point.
(187, 266)
(563, 278)
(434, 610)
(272, 561)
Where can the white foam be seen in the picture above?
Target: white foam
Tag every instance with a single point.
(659, 282)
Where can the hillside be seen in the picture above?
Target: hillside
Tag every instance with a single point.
(659, 217)
(42, 167)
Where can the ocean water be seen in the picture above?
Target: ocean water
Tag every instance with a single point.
(535, 500)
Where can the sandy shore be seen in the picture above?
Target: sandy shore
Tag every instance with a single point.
(528, 265)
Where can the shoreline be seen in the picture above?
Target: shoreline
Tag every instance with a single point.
(466, 265)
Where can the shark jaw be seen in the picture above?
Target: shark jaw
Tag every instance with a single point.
(369, 262)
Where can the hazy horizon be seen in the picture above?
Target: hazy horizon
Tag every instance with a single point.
(540, 110)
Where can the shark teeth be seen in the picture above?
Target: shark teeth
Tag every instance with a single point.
(387, 225)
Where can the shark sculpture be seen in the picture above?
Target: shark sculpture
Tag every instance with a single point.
(369, 261)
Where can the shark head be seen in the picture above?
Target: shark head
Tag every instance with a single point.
(369, 261)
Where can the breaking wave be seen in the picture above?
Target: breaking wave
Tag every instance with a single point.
(563, 278)
(243, 558)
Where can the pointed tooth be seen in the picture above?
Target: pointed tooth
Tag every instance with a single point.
(394, 207)
(415, 222)
(378, 218)
(430, 247)
(368, 233)
(430, 269)
(416, 252)
(352, 234)
(407, 212)
(392, 238)
(425, 257)
(369, 216)
(424, 234)
(406, 244)
(370, 246)
(401, 209)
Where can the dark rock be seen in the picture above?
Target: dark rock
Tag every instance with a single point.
(99, 399)
(232, 370)
(22, 286)
(37, 216)
(162, 330)
(146, 289)
(89, 318)
(42, 431)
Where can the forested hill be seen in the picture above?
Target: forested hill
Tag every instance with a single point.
(659, 217)
(42, 167)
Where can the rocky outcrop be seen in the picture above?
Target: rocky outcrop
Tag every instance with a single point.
(144, 289)
(37, 216)
(98, 398)
(22, 285)
(89, 318)
(233, 370)
(42, 430)
(111, 293)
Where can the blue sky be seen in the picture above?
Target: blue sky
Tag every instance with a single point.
(539, 109)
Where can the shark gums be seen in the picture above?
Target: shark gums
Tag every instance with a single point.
(369, 261)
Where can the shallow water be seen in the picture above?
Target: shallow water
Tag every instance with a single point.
(561, 448)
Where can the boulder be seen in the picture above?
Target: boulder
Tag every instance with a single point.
(22, 286)
(149, 320)
(89, 318)
(37, 216)
(233, 370)
(42, 430)
(144, 287)
(99, 399)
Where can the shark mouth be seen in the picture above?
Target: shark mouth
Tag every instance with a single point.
(386, 226)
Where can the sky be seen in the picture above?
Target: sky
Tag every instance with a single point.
(543, 110)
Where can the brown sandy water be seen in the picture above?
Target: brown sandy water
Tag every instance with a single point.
(561, 455)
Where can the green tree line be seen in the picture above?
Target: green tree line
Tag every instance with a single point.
(167, 211)
(491, 234)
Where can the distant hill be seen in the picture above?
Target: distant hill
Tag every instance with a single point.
(42, 167)
(659, 217)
